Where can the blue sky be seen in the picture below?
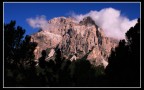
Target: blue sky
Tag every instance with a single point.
(21, 11)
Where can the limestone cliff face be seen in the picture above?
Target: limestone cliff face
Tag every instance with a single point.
(84, 39)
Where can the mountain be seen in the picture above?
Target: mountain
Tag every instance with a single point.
(76, 40)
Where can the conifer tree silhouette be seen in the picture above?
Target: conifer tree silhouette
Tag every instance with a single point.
(124, 63)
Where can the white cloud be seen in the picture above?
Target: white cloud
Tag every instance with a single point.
(41, 22)
(110, 20)
(38, 22)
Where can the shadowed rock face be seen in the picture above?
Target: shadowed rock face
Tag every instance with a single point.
(84, 39)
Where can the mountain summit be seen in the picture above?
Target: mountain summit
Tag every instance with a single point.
(87, 20)
(75, 40)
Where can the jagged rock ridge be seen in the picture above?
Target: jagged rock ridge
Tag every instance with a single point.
(84, 39)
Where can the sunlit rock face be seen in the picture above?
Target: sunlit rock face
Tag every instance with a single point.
(84, 39)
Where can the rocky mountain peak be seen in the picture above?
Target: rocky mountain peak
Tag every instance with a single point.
(87, 21)
(85, 39)
(60, 20)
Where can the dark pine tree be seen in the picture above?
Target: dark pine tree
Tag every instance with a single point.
(42, 62)
(18, 55)
(124, 62)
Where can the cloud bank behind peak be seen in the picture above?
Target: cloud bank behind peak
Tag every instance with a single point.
(113, 23)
